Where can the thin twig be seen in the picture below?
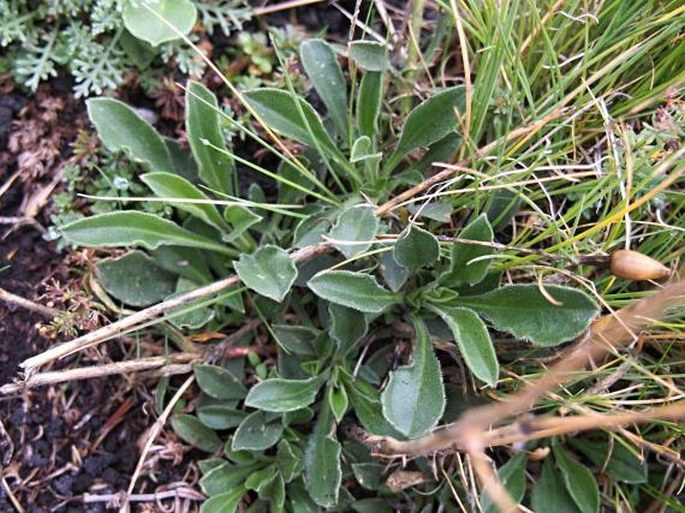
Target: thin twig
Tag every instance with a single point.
(98, 371)
(283, 6)
(11, 496)
(117, 499)
(45, 311)
(152, 435)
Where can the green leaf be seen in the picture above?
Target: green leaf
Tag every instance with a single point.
(216, 168)
(369, 475)
(182, 159)
(369, 101)
(526, 313)
(150, 21)
(429, 122)
(279, 111)
(358, 291)
(513, 477)
(414, 399)
(322, 462)
(241, 219)
(416, 248)
(226, 502)
(269, 271)
(366, 403)
(290, 460)
(255, 433)
(226, 476)
(217, 415)
(461, 270)
(299, 499)
(218, 382)
(337, 401)
(473, 339)
(131, 228)
(121, 129)
(260, 478)
(280, 395)
(135, 279)
(369, 56)
(549, 493)
(394, 274)
(190, 429)
(299, 340)
(170, 185)
(362, 150)
(186, 262)
(321, 65)
(623, 464)
(347, 326)
(355, 224)
(580, 483)
(192, 315)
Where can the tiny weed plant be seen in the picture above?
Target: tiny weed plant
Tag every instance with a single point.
(422, 246)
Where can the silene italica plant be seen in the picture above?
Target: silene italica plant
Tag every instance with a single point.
(374, 296)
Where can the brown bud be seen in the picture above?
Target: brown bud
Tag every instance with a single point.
(635, 266)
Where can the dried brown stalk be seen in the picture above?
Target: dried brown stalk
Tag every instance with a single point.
(45, 311)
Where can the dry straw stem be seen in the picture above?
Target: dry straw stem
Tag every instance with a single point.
(126, 367)
(151, 436)
(609, 331)
(13, 299)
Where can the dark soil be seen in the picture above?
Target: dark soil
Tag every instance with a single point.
(59, 442)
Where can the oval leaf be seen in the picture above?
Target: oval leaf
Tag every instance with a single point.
(358, 291)
(369, 55)
(135, 279)
(169, 185)
(218, 382)
(256, 434)
(429, 122)
(416, 248)
(549, 493)
(121, 129)
(269, 271)
(463, 269)
(414, 399)
(369, 101)
(281, 395)
(226, 502)
(580, 483)
(160, 20)
(347, 326)
(279, 111)
(131, 228)
(190, 429)
(322, 462)
(355, 224)
(473, 339)
(216, 169)
(526, 313)
(321, 65)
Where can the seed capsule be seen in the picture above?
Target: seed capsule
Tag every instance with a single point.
(635, 266)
